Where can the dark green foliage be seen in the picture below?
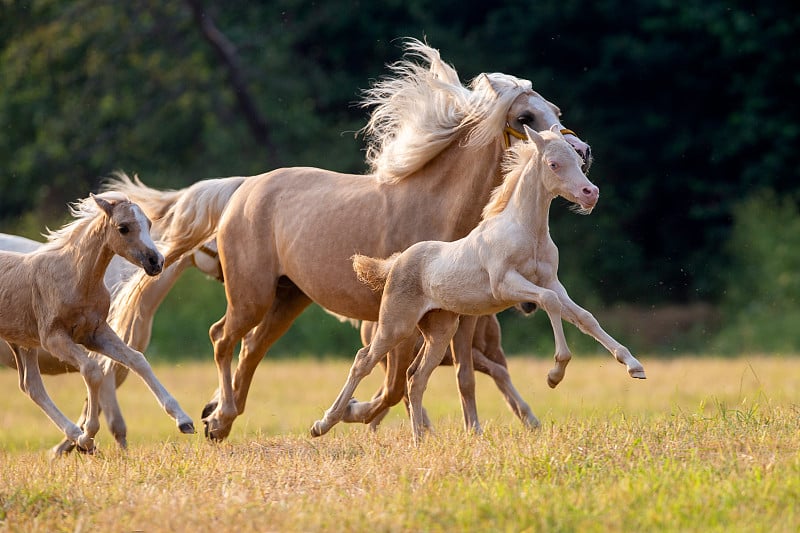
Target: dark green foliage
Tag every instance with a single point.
(762, 300)
(689, 106)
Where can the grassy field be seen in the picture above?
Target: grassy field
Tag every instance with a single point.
(702, 445)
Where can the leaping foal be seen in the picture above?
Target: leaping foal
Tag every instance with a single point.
(507, 259)
(55, 298)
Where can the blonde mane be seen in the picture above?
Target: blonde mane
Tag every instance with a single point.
(83, 211)
(421, 109)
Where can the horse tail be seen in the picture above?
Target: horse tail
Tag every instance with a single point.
(193, 218)
(190, 220)
(372, 271)
(155, 203)
(182, 219)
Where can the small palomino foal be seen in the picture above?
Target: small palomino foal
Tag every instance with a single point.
(54, 298)
(507, 259)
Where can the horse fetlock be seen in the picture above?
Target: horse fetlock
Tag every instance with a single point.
(85, 443)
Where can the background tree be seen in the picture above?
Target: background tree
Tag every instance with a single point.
(689, 108)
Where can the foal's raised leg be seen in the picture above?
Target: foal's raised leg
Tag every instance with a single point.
(438, 328)
(516, 288)
(589, 325)
(106, 342)
(30, 382)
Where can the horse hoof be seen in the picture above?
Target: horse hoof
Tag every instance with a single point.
(87, 451)
(638, 374)
(187, 427)
(317, 429)
(552, 382)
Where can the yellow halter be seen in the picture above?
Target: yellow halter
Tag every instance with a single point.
(509, 132)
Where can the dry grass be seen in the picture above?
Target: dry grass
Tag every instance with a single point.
(702, 445)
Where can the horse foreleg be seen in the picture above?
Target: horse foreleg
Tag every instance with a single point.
(589, 325)
(30, 382)
(515, 288)
(106, 342)
(289, 303)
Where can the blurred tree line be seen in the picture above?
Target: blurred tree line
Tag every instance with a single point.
(689, 106)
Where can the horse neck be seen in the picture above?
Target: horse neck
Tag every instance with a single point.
(530, 203)
(90, 253)
(461, 179)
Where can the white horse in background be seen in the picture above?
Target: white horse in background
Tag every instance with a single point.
(507, 259)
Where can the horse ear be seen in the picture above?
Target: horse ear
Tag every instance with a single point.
(484, 83)
(103, 204)
(533, 136)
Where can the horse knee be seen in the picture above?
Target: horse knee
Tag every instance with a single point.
(550, 302)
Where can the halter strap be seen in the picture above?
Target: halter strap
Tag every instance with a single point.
(213, 254)
(509, 132)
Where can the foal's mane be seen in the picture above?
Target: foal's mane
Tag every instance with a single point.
(84, 212)
(420, 110)
(514, 164)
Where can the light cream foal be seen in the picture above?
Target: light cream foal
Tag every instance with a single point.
(507, 259)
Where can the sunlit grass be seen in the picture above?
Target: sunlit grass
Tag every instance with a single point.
(702, 445)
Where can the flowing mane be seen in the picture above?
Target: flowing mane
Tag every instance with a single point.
(421, 109)
(83, 212)
(514, 164)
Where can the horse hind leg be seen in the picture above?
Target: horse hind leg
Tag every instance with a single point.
(386, 338)
(394, 385)
(288, 304)
(438, 328)
(30, 382)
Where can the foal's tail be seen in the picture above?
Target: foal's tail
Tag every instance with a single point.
(372, 271)
(182, 219)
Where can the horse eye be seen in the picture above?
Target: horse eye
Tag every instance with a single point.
(525, 119)
(123, 229)
(553, 165)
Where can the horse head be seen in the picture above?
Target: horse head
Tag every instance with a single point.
(562, 174)
(529, 108)
(128, 233)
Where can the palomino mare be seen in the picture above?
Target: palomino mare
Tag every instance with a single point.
(286, 237)
(55, 298)
(134, 326)
(508, 258)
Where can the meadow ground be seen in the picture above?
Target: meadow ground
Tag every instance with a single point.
(704, 444)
